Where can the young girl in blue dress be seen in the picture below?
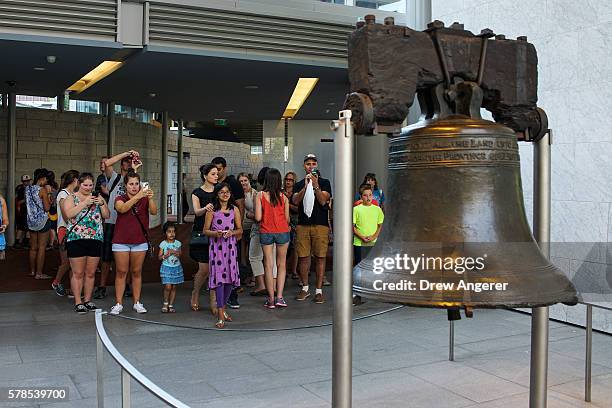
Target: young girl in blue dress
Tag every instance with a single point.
(224, 227)
(171, 270)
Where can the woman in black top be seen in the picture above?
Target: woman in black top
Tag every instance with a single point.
(202, 198)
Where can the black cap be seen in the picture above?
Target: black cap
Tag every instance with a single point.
(310, 156)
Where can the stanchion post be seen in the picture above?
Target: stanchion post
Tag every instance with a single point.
(538, 381)
(125, 389)
(451, 341)
(589, 353)
(342, 342)
(99, 368)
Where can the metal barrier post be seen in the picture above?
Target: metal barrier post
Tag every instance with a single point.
(342, 330)
(451, 341)
(589, 354)
(125, 389)
(100, 368)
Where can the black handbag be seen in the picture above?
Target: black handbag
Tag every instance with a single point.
(198, 239)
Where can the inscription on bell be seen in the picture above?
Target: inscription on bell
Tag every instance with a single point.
(454, 143)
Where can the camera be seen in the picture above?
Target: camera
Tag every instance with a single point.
(315, 172)
(95, 194)
(144, 185)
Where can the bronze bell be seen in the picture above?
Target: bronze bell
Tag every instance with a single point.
(457, 196)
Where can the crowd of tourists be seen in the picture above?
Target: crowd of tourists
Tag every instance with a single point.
(246, 233)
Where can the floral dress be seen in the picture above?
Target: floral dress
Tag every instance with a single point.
(89, 224)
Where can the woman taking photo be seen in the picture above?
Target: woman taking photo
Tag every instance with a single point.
(272, 213)
(131, 238)
(202, 199)
(38, 202)
(85, 234)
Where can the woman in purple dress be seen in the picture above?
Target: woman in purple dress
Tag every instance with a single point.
(224, 227)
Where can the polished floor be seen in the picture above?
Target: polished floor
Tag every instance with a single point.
(400, 357)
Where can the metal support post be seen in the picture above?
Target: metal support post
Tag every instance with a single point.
(451, 341)
(589, 354)
(538, 381)
(61, 101)
(4, 100)
(342, 342)
(163, 196)
(125, 389)
(179, 171)
(110, 129)
(11, 136)
(99, 369)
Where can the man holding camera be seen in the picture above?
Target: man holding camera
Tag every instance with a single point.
(312, 230)
(115, 187)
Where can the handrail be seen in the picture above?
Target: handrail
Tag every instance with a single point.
(127, 371)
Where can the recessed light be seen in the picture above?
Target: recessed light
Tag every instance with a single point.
(331, 104)
(51, 59)
(228, 111)
(152, 95)
(251, 87)
(39, 68)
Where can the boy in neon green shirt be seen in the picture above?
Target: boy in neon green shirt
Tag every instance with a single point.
(367, 223)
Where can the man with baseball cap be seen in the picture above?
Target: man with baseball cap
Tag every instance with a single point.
(21, 212)
(312, 231)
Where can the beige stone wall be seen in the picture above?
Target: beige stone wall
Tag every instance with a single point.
(60, 141)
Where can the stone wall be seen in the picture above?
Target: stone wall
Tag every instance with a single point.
(60, 141)
(572, 39)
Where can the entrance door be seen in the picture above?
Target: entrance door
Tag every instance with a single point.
(172, 181)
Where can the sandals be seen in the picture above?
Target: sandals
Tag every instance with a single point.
(171, 309)
(164, 308)
(195, 307)
(220, 324)
(43, 276)
(227, 317)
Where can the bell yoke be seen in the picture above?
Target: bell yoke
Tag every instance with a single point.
(457, 187)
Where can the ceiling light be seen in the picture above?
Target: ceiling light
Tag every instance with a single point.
(251, 87)
(101, 71)
(51, 59)
(300, 93)
(228, 111)
(39, 68)
(152, 95)
(331, 104)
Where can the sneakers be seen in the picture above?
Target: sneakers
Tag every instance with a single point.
(280, 302)
(128, 291)
(91, 306)
(318, 299)
(100, 292)
(233, 304)
(269, 305)
(58, 288)
(326, 282)
(115, 310)
(80, 309)
(302, 295)
(139, 308)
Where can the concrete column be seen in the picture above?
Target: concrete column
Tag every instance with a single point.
(11, 136)
(179, 171)
(110, 130)
(163, 202)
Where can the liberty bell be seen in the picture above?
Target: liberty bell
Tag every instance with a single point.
(455, 232)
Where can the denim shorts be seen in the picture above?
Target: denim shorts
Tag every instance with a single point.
(269, 238)
(130, 247)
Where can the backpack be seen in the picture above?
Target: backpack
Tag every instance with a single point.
(37, 216)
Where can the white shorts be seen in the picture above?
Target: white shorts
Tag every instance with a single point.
(130, 247)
